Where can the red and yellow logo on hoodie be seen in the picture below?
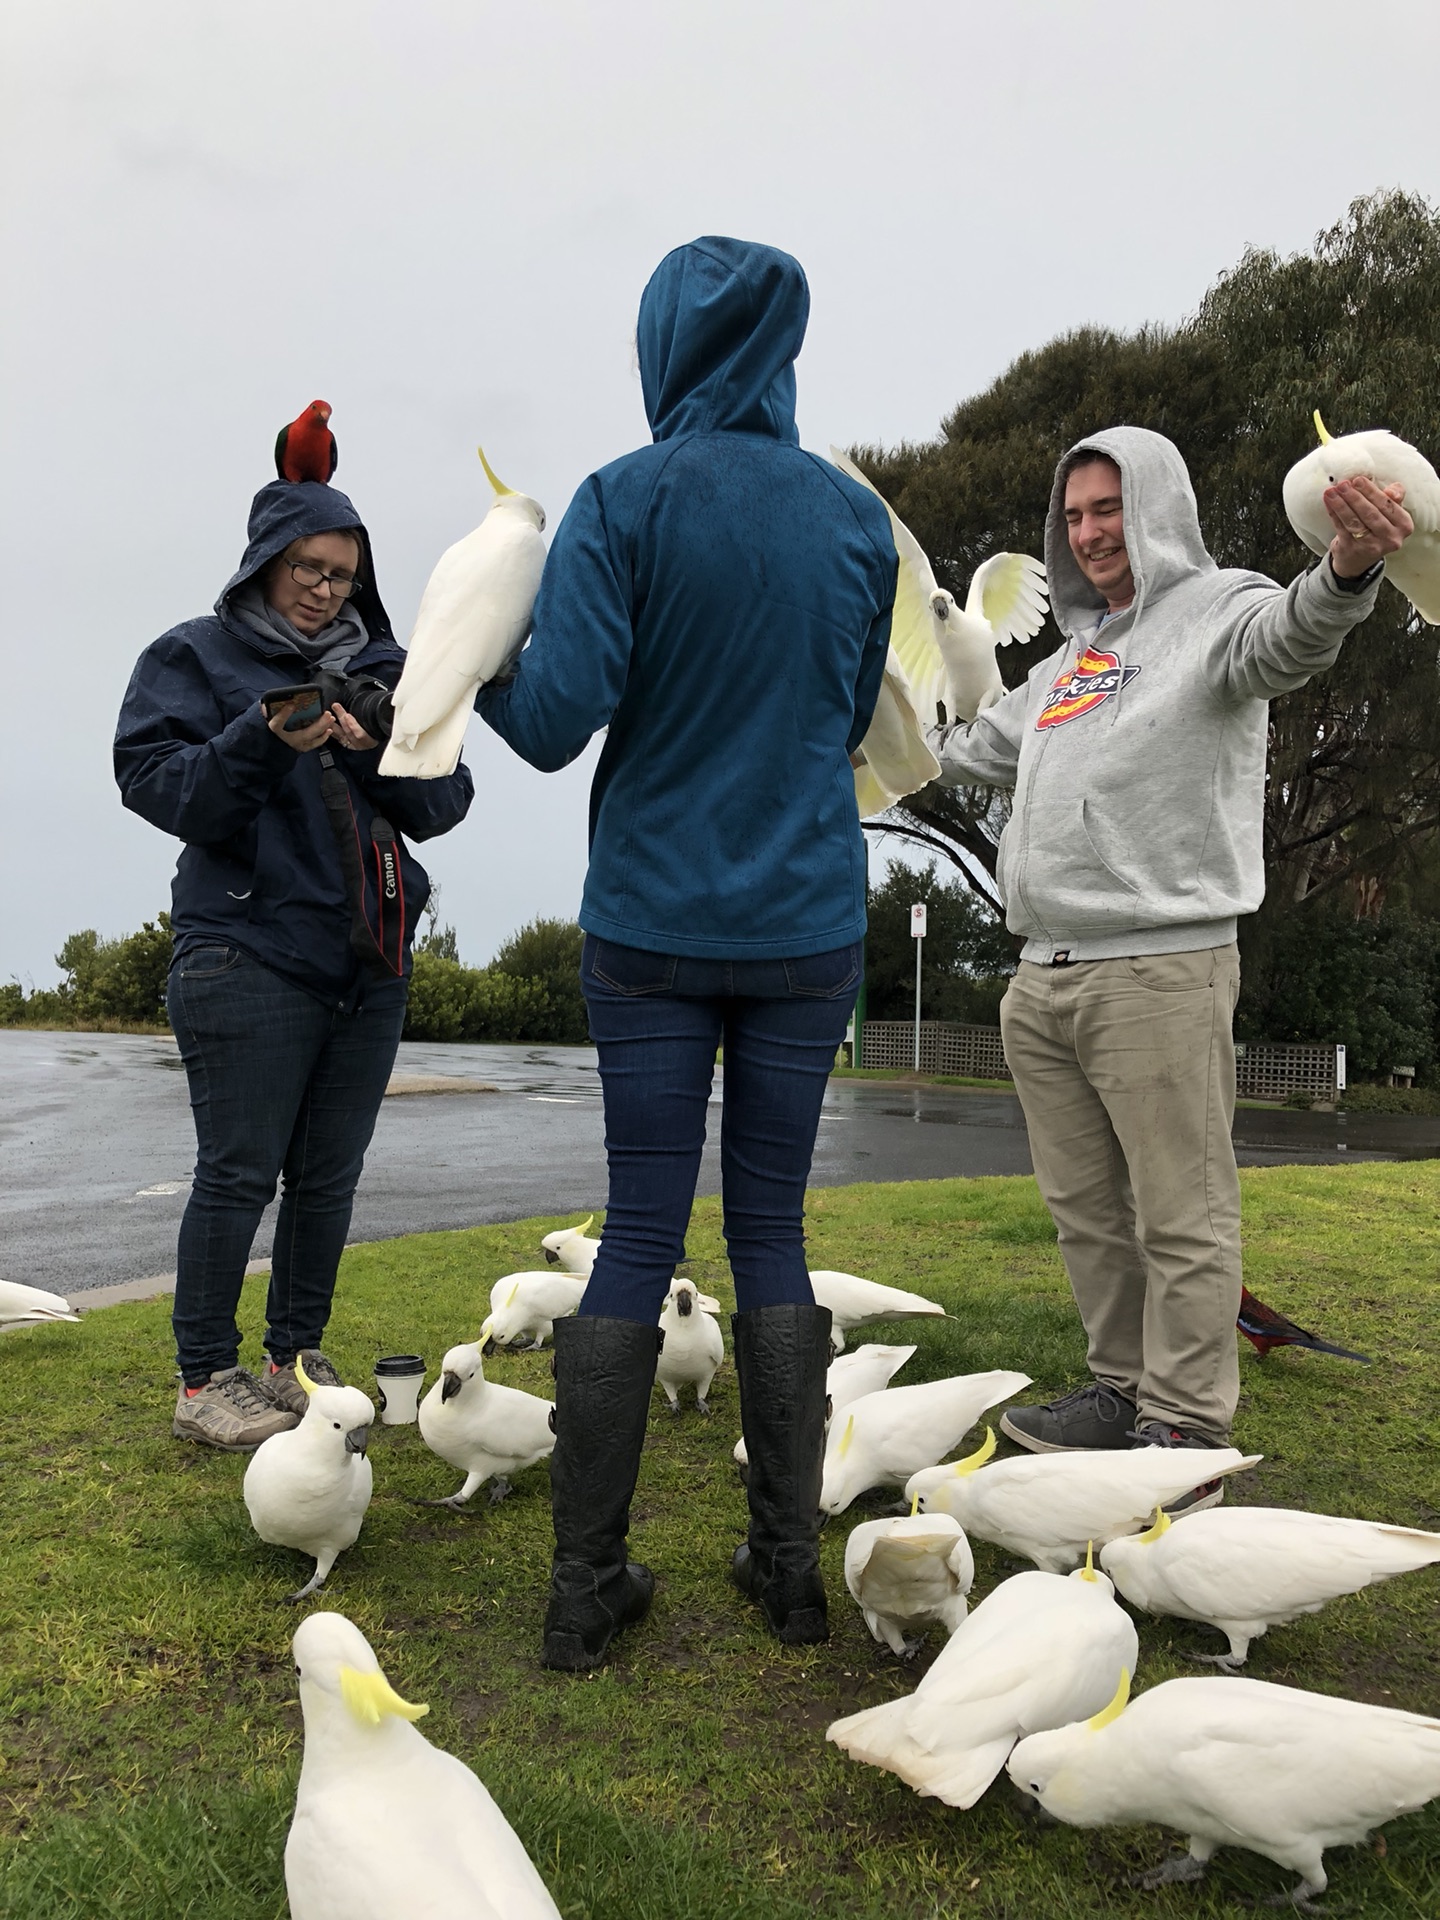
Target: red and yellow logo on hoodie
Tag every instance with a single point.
(1092, 679)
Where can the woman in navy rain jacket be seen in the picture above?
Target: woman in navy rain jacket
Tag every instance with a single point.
(288, 984)
(721, 602)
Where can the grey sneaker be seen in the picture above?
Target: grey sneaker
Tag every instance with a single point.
(287, 1390)
(233, 1412)
(1159, 1433)
(1091, 1417)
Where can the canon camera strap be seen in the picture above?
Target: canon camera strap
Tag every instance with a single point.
(380, 944)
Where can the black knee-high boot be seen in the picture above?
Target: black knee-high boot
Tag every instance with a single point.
(782, 1355)
(604, 1374)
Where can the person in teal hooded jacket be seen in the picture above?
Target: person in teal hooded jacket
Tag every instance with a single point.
(720, 601)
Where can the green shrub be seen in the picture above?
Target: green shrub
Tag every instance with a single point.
(548, 951)
(1368, 1099)
(12, 1003)
(450, 1002)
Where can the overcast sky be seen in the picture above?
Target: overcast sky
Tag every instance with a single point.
(439, 215)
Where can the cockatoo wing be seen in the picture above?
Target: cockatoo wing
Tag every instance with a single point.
(21, 1305)
(1276, 1561)
(432, 754)
(912, 624)
(897, 759)
(1009, 592)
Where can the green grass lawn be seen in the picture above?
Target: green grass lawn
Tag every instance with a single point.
(151, 1734)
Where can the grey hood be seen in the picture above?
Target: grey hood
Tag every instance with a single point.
(1162, 526)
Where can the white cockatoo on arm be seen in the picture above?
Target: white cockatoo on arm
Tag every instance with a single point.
(854, 1302)
(486, 1430)
(386, 1826)
(1040, 1651)
(940, 656)
(1051, 1506)
(867, 1369)
(1243, 1569)
(473, 620)
(1380, 456)
(908, 1573)
(885, 1438)
(22, 1306)
(1236, 1763)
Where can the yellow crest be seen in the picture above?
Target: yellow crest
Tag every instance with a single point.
(490, 474)
(510, 1297)
(585, 1224)
(981, 1454)
(914, 1503)
(1162, 1525)
(1116, 1706)
(370, 1697)
(300, 1374)
(1087, 1572)
(485, 1331)
(1325, 435)
(846, 1437)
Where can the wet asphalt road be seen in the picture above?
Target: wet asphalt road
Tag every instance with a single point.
(96, 1148)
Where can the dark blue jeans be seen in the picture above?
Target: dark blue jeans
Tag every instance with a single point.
(657, 1020)
(280, 1083)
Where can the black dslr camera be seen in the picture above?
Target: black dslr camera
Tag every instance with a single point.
(367, 702)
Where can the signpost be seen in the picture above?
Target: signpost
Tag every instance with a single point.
(917, 934)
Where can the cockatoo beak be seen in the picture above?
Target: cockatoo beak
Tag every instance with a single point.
(450, 1385)
(552, 1259)
(370, 1697)
(357, 1439)
(684, 1304)
(1325, 435)
(491, 475)
(304, 1379)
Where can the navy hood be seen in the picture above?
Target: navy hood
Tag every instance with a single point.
(721, 322)
(287, 510)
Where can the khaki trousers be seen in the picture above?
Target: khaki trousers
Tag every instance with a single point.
(1126, 1072)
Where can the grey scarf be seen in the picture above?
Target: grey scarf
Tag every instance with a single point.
(332, 648)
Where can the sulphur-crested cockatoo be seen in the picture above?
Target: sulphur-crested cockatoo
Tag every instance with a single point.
(386, 1826)
(525, 1306)
(1236, 1763)
(909, 1573)
(694, 1345)
(1243, 1569)
(939, 655)
(571, 1249)
(868, 1369)
(1382, 457)
(854, 1302)
(1040, 1651)
(309, 1488)
(22, 1306)
(1049, 1506)
(486, 1430)
(885, 1438)
(473, 619)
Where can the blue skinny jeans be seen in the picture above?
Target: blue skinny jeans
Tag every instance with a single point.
(657, 1020)
(281, 1084)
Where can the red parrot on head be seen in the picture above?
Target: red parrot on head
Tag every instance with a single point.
(306, 450)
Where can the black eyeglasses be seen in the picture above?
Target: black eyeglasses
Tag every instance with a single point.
(340, 584)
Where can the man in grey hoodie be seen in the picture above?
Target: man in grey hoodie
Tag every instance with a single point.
(1137, 756)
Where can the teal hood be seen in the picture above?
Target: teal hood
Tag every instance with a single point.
(721, 322)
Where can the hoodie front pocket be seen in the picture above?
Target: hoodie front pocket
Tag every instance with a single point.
(1070, 886)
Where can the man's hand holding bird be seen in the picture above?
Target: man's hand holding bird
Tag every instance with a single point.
(1369, 522)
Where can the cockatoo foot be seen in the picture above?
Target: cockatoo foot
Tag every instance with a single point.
(1298, 1899)
(457, 1503)
(313, 1585)
(500, 1489)
(703, 1406)
(1227, 1662)
(1178, 1870)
